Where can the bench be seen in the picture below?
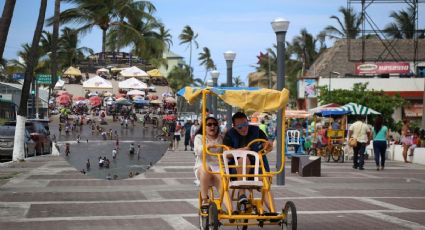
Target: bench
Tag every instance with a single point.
(306, 166)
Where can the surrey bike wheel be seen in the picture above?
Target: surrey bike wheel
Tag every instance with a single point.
(312, 152)
(203, 220)
(290, 221)
(213, 217)
(336, 154)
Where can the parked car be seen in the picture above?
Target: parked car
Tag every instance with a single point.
(7, 136)
(44, 122)
(39, 134)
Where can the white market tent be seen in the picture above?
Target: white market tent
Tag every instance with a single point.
(135, 92)
(133, 72)
(59, 84)
(97, 83)
(132, 83)
(102, 70)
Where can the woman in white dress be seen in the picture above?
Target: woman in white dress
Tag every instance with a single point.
(213, 137)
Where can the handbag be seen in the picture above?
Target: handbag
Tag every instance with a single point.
(352, 142)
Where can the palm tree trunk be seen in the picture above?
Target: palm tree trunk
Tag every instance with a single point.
(190, 61)
(18, 147)
(5, 21)
(103, 44)
(54, 64)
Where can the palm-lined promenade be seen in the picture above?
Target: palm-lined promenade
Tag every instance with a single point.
(86, 184)
(47, 192)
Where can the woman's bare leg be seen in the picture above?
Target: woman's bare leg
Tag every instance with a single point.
(405, 148)
(204, 182)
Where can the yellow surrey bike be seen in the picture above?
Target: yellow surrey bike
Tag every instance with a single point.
(223, 208)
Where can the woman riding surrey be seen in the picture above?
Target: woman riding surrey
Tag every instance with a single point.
(213, 137)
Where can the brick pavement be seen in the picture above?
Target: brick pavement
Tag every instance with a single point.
(47, 193)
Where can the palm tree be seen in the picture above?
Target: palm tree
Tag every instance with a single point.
(349, 26)
(69, 50)
(206, 60)
(5, 20)
(179, 77)
(103, 14)
(237, 82)
(54, 47)
(403, 26)
(18, 147)
(189, 37)
(40, 65)
(142, 34)
(165, 36)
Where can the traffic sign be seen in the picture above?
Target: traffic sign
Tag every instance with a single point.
(18, 76)
(44, 79)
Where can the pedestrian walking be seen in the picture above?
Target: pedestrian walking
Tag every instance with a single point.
(114, 153)
(138, 152)
(67, 129)
(110, 134)
(177, 136)
(67, 149)
(186, 130)
(78, 139)
(406, 139)
(380, 140)
(60, 129)
(117, 144)
(101, 161)
(193, 131)
(88, 164)
(172, 130)
(361, 132)
(131, 150)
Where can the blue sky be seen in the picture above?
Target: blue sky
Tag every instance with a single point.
(239, 25)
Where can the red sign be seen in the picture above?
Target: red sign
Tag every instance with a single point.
(382, 68)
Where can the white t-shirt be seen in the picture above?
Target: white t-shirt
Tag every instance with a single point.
(211, 160)
(193, 129)
(360, 131)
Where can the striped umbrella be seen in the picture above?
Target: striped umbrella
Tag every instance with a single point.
(357, 109)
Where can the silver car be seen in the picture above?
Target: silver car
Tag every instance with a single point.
(7, 136)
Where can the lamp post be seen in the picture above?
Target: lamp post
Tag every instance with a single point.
(229, 56)
(280, 26)
(209, 97)
(214, 76)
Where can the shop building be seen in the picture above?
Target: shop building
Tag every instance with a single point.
(399, 70)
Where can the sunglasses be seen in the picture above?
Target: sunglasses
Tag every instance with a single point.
(243, 125)
(212, 124)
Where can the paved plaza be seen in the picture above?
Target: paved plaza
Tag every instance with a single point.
(45, 192)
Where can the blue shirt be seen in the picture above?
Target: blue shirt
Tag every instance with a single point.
(381, 135)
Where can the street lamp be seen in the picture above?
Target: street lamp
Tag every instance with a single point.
(209, 97)
(214, 76)
(280, 26)
(229, 56)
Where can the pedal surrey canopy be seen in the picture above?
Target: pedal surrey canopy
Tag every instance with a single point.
(249, 99)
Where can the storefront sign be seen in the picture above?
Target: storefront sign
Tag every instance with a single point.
(382, 68)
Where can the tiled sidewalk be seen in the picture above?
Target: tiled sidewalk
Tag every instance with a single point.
(46, 193)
